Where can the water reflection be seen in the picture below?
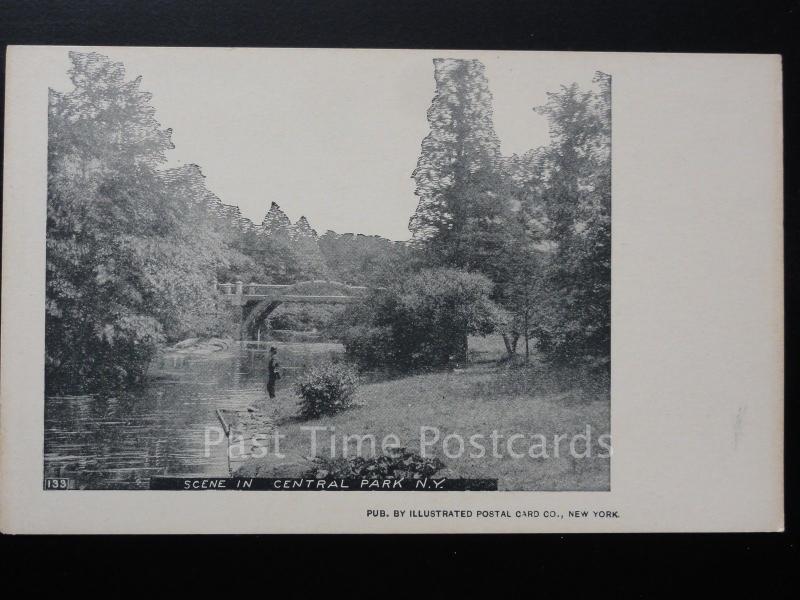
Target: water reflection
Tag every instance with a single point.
(120, 442)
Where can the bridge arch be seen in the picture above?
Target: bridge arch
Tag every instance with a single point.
(259, 312)
(257, 301)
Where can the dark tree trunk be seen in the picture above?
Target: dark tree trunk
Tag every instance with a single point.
(525, 333)
(462, 350)
(511, 343)
(507, 343)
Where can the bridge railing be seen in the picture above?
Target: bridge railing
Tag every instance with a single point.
(239, 288)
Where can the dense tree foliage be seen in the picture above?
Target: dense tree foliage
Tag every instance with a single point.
(519, 244)
(455, 179)
(538, 225)
(574, 319)
(130, 257)
(276, 252)
(359, 259)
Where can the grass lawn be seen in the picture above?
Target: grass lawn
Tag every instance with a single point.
(531, 402)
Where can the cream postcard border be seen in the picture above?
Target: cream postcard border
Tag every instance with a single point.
(697, 322)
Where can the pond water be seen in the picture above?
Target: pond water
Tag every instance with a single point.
(120, 442)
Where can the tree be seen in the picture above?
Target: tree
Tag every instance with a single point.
(577, 203)
(522, 289)
(303, 228)
(127, 266)
(306, 252)
(366, 259)
(455, 171)
(276, 223)
(288, 253)
(508, 243)
(185, 263)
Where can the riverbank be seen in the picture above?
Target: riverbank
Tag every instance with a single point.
(515, 414)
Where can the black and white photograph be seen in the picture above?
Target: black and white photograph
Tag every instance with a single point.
(327, 270)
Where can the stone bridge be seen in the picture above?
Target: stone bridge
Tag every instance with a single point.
(257, 300)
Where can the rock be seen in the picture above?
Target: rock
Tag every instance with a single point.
(187, 342)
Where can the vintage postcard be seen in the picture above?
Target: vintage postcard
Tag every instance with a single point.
(268, 290)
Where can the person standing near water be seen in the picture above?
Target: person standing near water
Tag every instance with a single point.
(272, 371)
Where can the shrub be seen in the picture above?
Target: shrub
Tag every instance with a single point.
(397, 463)
(326, 389)
(370, 347)
(422, 321)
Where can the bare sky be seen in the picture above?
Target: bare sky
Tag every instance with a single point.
(330, 134)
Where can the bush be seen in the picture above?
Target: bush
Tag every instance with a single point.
(422, 321)
(326, 389)
(397, 463)
(368, 346)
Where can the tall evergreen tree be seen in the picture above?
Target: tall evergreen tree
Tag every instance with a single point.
(276, 222)
(455, 170)
(303, 228)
